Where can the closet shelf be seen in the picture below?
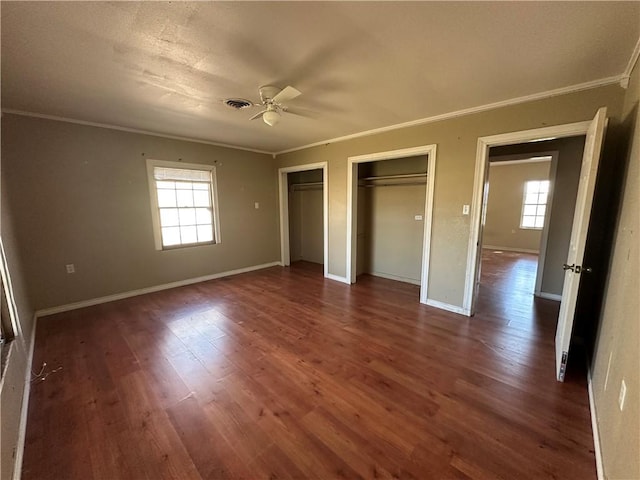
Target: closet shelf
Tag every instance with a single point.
(368, 182)
(295, 186)
(390, 177)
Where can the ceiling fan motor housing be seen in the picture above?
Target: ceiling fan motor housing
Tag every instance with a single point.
(267, 92)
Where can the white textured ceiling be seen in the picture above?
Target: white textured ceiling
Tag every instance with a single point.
(166, 67)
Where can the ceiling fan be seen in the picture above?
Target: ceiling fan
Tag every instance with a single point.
(272, 101)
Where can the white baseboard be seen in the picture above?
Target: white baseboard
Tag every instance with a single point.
(594, 427)
(133, 293)
(510, 249)
(448, 307)
(22, 429)
(337, 278)
(397, 278)
(549, 296)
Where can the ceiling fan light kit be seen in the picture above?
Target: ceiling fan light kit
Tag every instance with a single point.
(271, 117)
(271, 99)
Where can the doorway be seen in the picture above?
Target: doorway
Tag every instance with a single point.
(303, 214)
(520, 187)
(572, 269)
(353, 211)
(516, 222)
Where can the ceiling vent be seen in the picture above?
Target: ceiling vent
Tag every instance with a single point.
(237, 103)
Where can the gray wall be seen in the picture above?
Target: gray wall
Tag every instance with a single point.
(80, 195)
(617, 356)
(306, 235)
(504, 206)
(389, 237)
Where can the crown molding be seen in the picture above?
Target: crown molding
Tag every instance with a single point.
(624, 81)
(467, 111)
(619, 79)
(130, 130)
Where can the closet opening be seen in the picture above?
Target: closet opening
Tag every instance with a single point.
(391, 200)
(389, 215)
(303, 216)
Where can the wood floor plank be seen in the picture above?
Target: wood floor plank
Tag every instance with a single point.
(211, 453)
(282, 374)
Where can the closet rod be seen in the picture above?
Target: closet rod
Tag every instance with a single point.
(389, 177)
(371, 185)
(306, 184)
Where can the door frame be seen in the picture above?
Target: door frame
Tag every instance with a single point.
(474, 247)
(352, 207)
(283, 189)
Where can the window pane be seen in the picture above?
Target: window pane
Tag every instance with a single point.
(528, 222)
(201, 186)
(201, 198)
(205, 233)
(531, 198)
(539, 222)
(187, 216)
(541, 210)
(529, 210)
(184, 185)
(170, 236)
(188, 234)
(544, 186)
(185, 198)
(165, 184)
(169, 217)
(532, 187)
(203, 215)
(168, 173)
(542, 198)
(166, 198)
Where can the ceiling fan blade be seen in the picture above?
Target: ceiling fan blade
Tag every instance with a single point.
(286, 94)
(257, 115)
(300, 112)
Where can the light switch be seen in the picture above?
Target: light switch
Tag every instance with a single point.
(257, 205)
(465, 209)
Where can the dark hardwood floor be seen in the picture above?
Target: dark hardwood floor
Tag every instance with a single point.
(280, 373)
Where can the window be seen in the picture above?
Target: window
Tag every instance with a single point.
(534, 204)
(183, 202)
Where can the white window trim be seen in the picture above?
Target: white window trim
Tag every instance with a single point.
(524, 199)
(155, 211)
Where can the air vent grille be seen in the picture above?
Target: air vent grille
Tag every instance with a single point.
(237, 103)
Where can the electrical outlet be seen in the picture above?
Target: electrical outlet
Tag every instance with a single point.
(417, 217)
(623, 393)
(71, 268)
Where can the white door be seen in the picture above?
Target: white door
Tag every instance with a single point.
(574, 268)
